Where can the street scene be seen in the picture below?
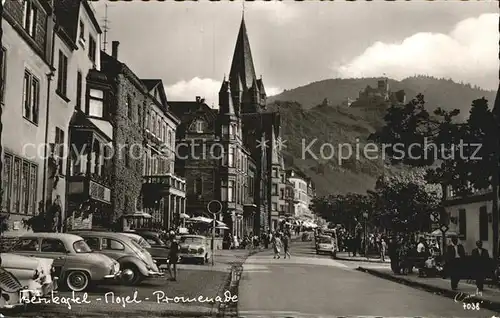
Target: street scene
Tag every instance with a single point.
(249, 159)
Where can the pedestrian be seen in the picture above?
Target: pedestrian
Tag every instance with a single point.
(454, 256)
(481, 261)
(277, 245)
(383, 249)
(173, 257)
(286, 245)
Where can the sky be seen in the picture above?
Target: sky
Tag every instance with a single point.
(189, 45)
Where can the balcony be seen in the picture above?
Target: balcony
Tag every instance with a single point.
(92, 186)
(165, 184)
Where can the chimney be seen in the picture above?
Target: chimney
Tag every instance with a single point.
(198, 99)
(114, 49)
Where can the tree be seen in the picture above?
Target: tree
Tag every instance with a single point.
(403, 203)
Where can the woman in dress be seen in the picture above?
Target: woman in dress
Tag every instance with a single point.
(277, 245)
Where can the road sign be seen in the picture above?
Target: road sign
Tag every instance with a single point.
(444, 228)
(435, 217)
(214, 206)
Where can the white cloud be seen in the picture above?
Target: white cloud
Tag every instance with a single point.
(277, 11)
(469, 53)
(204, 87)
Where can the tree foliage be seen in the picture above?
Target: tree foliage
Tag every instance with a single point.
(401, 203)
(460, 154)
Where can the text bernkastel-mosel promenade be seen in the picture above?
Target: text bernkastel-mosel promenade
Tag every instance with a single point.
(110, 298)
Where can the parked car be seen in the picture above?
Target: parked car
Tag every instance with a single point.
(136, 263)
(159, 254)
(325, 245)
(194, 247)
(26, 276)
(153, 238)
(75, 263)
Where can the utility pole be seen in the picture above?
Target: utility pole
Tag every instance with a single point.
(105, 28)
(1, 104)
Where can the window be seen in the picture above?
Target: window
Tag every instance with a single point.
(4, 74)
(25, 184)
(93, 242)
(82, 31)
(62, 74)
(96, 103)
(31, 97)
(275, 206)
(16, 185)
(198, 186)
(282, 194)
(92, 49)
(129, 106)
(81, 247)
(6, 182)
(483, 224)
(231, 156)
(224, 191)
(59, 148)
(30, 14)
(225, 130)
(53, 246)
(462, 225)
(110, 244)
(275, 189)
(275, 173)
(79, 84)
(230, 191)
(146, 118)
(199, 126)
(26, 245)
(250, 186)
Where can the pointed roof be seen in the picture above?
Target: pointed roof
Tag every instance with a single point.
(275, 160)
(242, 64)
(225, 100)
(261, 86)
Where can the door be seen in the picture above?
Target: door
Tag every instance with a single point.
(27, 247)
(55, 249)
(113, 248)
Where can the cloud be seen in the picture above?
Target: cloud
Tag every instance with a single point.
(278, 12)
(204, 87)
(468, 53)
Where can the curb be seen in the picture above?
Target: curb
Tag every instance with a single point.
(232, 285)
(362, 260)
(486, 304)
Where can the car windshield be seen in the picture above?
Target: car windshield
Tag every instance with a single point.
(325, 240)
(81, 247)
(191, 240)
(136, 247)
(143, 243)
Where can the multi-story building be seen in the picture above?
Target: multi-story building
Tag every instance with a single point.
(27, 71)
(289, 198)
(245, 137)
(164, 193)
(76, 118)
(302, 190)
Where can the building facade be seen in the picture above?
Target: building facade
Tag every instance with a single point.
(303, 193)
(27, 70)
(163, 192)
(238, 161)
(470, 218)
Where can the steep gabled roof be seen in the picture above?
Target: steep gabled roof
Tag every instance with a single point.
(67, 13)
(152, 84)
(242, 64)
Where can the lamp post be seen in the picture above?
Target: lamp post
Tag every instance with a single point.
(1, 99)
(365, 217)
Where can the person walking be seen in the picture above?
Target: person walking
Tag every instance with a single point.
(455, 253)
(481, 259)
(383, 249)
(173, 257)
(277, 244)
(286, 245)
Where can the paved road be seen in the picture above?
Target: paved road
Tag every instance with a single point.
(317, 286)
(154, 297)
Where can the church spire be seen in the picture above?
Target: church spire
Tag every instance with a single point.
(242, 64)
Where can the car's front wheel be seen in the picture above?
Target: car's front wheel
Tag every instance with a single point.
(77, 281)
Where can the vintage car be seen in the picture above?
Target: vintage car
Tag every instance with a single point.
(136, 263)
(159, 254)
(153, 238)
(23, 276)
(194, 247)
(325, 245)
(76, 265)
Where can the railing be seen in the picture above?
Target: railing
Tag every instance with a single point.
(168, 180)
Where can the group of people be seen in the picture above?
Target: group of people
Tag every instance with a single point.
(281, 241)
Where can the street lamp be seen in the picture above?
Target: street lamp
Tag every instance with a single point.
(365, 217)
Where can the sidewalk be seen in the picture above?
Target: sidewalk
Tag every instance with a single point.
(345, 257)
(466, 293)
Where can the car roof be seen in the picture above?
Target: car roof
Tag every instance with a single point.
(62, 236)
(103, 234)
(132, 235)
(193, 236)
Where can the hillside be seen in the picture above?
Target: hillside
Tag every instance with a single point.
(438, 92)
(333, 126)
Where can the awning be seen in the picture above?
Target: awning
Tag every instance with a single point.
(184, 216)
(138, 215)
(200, 219)
(222, 227)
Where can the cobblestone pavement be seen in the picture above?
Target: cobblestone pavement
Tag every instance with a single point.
(155, 297)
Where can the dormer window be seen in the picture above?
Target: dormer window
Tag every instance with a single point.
(96, 103)
(82, 34)
(198, 126)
